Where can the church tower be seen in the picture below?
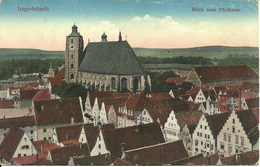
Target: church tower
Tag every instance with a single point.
(73, 54)
(51, 71)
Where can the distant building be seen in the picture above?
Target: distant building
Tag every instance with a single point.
(221, 75)
(103, 66)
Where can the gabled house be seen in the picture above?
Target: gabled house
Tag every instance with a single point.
(218, 75)
(15, 144)
(205, 134)
(159, 154)
(131, 109)
(186, 136)
(176, 93)
(128, 138)
(61, 156)
(239, 133)
(26, 123)
(248, 104)
(176, 122)
(54, 113)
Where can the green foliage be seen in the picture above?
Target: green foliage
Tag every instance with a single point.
(25, 66)
(176, 60)
(69, 90)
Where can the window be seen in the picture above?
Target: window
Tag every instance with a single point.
(19, 155)
(242, 141)
(222, 146)
(44, 138)
(230, 149)
(196, 142)
(196, 149)
(233, 121)
(25, 139)
(201, 142)
(31, 131)
(198, 133)
(205, 127)
(71, 76)
(200, 126)
(236, 139)
(71, 41)
(225, 137)
(229, 138)
(24, 155)
(44, 130)
(99, 146)
(71, 66)
(233, 129)
(72, 56)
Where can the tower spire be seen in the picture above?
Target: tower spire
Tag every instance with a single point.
(120, 36)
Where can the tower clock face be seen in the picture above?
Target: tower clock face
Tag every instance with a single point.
(71, 46)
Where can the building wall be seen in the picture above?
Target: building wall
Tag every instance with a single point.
(187, 139)
(111, 116)
(103, 114)
(100, 146)
(202, 139)
(171, 128)
(25, 147)
(232, 139)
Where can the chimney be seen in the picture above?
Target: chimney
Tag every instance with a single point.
(80, 145)
(37, 157)
(120, 37)
(67, 136)
(41, 149)
(239, 100)
(123, 147)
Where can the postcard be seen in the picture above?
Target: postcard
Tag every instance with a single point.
(129, 82)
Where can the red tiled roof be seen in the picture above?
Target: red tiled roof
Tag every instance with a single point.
(250, 127)
(138, 102)
(94, 160)
(159, 96)
(121, 162)
(42, 147)
(189, 118)
(57, 80)
(121, 95)
(17, 122)
(60, 156)
(42, 95)
(91, 133)
(186, 160)
(65, 133)
(216, 122)
(6, 104)
(211, 160)
(28, 94)
(256, 113)
(99, 95)
(178, 92)
(25, 160)
(220, 73)
(33, 85)
(195, 90)
(249, 95)
(252, 103)
(10, 143)
(58, 111)
(175, 103)
(247, 158)
(176, 80)
(159, 154)
(133, 136)
(161, 113)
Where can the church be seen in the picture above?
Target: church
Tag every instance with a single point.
(104, 66)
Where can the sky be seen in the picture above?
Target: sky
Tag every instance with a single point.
(143, 23)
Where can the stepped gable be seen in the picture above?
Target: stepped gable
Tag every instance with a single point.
(58, 111)
(10, 143)
(133, 137)
(216, 122)
(219, 73)
(159, 154)
(17, 122)
(138, 102)
(116, 58)
(250, 127)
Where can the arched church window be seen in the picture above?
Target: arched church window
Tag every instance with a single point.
(124, 84)
(71, 66)
(113, 83)
(71, 76)
(71, 41)
(72, 57)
